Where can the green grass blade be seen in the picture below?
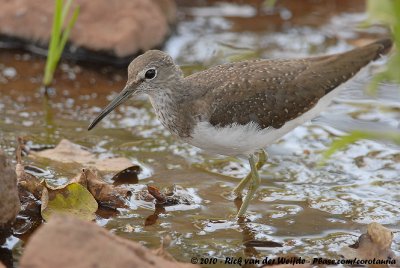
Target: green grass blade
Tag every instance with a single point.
(67, 31)
(65, 10)
(59, 37)
(54, 39)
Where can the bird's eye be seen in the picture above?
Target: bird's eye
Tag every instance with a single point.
(150, 73)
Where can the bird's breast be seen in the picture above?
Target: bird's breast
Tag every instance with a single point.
(171, 115)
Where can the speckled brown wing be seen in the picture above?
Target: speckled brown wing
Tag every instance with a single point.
(263, 92)
(272, 92)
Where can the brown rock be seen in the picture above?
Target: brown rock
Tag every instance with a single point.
(122, 27)
(168, 7)
(69, 242)
(9, 200)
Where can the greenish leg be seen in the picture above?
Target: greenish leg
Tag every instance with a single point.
(255, 182)
(239, 188)
(262, 159)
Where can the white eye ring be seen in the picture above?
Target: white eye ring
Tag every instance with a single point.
(150, 74)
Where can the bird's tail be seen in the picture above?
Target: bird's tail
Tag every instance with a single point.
(339, 68)
(381, 47)
(361, 56)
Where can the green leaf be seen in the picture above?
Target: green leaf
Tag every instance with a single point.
(343, 142)
(72, 199)
(354, 136)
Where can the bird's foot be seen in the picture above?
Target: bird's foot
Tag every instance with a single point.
(262, 159)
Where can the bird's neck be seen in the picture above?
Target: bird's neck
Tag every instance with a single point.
(168, 105)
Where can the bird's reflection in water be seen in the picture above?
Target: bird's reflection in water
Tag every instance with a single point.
(250, 242)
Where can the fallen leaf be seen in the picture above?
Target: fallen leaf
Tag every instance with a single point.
(30, 191)
(81, 194)
(375, 244)
(170, 196)
(106, 194)
(72, 199)
(127, 176)
(29, 182)
(381, 236)
(34, 170)
(67, 152)
(155, 192)
(26, 181)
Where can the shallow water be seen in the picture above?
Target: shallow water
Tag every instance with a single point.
(308, 210)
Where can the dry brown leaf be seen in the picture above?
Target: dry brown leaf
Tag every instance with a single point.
(30, 190)
(373, 244)
(29, 182)
(127, 176)
(25, 180)
(155, 192)
(106, 194)
(170, 196)
(67, 152)
(71, 198)
(380, 235)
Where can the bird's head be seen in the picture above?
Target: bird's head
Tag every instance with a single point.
(149, 73)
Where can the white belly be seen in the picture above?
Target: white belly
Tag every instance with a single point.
(240, 140)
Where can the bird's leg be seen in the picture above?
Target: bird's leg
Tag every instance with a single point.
(262, 159)
(239, 188)
(255, 182)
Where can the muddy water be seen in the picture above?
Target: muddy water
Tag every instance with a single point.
(301, 208)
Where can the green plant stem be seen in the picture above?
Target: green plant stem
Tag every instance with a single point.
(58, 37)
